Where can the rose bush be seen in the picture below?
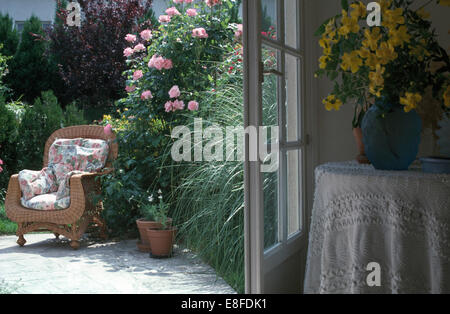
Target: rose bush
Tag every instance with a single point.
(168, 70)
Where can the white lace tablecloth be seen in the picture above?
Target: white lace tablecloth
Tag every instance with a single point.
(400, 220)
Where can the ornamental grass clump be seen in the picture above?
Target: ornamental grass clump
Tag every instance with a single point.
(392, 61)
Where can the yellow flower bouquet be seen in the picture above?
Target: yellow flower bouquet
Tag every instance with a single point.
(389, 63)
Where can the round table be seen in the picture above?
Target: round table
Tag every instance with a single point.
(378, 231)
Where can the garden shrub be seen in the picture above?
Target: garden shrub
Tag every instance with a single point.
(168, 69)
(30, 71)
(9, 37)
(91, 56)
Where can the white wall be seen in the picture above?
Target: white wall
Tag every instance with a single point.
(21, 10)
(336, 141)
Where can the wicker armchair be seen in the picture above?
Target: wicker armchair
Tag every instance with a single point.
(82, 212)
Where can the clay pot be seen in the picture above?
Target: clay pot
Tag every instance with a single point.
(361, 158)
(161, 241)
(144, 244)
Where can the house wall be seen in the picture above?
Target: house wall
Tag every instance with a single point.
(336, 142)
(21, 10)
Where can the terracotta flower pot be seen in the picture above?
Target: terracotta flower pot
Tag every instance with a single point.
(144, 244)
(361, 158)
(161, 241)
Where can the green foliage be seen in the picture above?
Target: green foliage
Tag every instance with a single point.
(156, 211)
(73, 115)
(9, 37)
(7, 227)
(30, 70)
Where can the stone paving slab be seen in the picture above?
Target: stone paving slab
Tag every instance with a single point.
(48, 265)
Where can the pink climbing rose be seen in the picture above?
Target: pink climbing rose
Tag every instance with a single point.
(146, 95)
(130, 38)
(193, 106)
(1, 163)
(178, 105)
(108, 129)
(139, 47)
(146, 34)
(130, 89)
(199, 32)
(167, 64)
(174, 92)
(191, 12)
(168, 106)
(164, 19)
(172, 11)
(211, 3)
(137, 75)
(128, 52)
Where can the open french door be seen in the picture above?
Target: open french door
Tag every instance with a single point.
(275, 199)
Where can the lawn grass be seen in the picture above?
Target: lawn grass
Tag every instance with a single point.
(7, 227)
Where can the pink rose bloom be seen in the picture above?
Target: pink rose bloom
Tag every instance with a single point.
(178, 1)
(178, 105)
(174, 92)
(164, 19)
(168, 106)
(130, 89)
(199, 32)
(156, 62)
(193, 106)
(187, 1)
(168, 64)
(146, 34)
(130, 38)
(146, 95)
(108, 129)
(128, 52)
(211, 3)
(191, 12)
(172, 11)
(1, 162)
(137, 75)
(239, 31)
(139, 47)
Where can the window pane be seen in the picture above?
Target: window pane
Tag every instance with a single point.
(291, 23)
(270, 87)
(293, 90)
(271, 214)
(269, 19)
(293, 191)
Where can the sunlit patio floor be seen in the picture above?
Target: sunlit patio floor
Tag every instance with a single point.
(48, 265)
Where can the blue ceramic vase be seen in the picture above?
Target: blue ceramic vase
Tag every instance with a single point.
(391, 136)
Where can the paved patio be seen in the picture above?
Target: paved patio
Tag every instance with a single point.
(48, 265)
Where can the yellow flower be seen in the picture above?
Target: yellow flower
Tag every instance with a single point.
(359, 10)
(331, 102)
(323, 62)
(422, 13)
(372, 38)
(410, 101)
(351, 61)
(419, 51)
(447, 97)
(349, 24)
(385, 5)
(376, 77)
(399, 36)
(386, 53)
(445, 2)
(392, 18)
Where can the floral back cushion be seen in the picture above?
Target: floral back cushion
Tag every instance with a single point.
(66, 158)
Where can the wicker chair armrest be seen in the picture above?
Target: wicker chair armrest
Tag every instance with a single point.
(13, 195)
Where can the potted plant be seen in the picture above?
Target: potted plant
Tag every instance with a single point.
(161, 237)
(148, 220)
(384, 71)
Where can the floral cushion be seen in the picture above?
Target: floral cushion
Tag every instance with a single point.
(49, 189)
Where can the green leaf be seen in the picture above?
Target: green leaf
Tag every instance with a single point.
(344, 4)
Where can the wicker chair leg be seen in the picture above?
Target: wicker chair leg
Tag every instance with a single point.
(21, 241)
(56, 235)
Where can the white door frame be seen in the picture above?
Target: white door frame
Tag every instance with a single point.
(259, 262)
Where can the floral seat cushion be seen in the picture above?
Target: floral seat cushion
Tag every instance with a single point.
(49, 189)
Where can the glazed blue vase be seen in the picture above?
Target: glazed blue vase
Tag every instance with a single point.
(391, 136)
